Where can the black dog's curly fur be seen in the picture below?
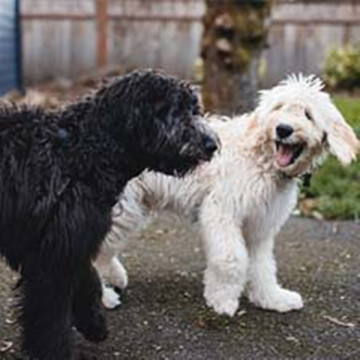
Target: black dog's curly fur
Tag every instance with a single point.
(60, 174)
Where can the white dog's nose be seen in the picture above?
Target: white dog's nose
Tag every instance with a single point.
(283, 131)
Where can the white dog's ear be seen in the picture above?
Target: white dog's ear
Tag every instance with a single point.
(341, 138)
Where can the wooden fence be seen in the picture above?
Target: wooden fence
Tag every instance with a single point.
(302, 32)
(68, 38)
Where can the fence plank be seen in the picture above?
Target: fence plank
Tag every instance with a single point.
(102, 28)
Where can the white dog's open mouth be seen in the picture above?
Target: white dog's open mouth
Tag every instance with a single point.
(287, 154)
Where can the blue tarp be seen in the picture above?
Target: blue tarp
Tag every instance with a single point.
(10, 47)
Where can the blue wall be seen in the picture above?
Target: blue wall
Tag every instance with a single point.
(10, 49)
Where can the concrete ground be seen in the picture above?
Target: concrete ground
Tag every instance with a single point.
(164, 316)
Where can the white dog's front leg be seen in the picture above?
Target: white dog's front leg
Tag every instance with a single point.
(110, 298)
(227, 260)
(264, 290)
(110, 269)
(112, 273)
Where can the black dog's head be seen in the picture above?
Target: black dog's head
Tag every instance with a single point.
(159, 119)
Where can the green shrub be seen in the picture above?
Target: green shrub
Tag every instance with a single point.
(342, 68)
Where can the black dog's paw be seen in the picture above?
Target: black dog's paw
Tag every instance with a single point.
(94, 329)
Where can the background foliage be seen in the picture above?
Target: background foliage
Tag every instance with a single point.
(342, 68)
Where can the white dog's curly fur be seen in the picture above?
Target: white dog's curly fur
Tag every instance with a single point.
(243, 196)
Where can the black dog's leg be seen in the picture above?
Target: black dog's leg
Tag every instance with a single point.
(46, 317)
(88, 315)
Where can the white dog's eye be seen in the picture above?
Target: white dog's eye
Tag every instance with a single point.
(307, 114)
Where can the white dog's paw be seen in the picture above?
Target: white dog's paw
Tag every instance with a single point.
(110, 298)
(117, 275)
(221, 301)
(281, 300)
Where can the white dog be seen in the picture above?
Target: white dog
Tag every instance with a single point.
(242, 197)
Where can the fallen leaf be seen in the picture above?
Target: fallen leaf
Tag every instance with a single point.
(292, 338)
(10, 321)
(6, 346)
(201, 322)
(338, 322)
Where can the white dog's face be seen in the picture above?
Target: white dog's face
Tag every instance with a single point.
(301, 123)
(296, 139)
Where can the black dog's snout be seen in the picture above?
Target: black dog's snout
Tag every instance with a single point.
(210, 145)
(283, 131)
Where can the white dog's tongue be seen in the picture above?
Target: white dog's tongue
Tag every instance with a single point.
(284, 155)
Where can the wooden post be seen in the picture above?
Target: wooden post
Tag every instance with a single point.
(102, 26)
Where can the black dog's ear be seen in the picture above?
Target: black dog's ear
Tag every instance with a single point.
(161, 107)
(196, 98)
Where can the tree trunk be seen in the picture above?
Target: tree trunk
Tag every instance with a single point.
(234, 35)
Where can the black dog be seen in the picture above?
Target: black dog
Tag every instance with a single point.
(60, 174)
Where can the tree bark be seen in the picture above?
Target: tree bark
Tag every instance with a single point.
(235, 33)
